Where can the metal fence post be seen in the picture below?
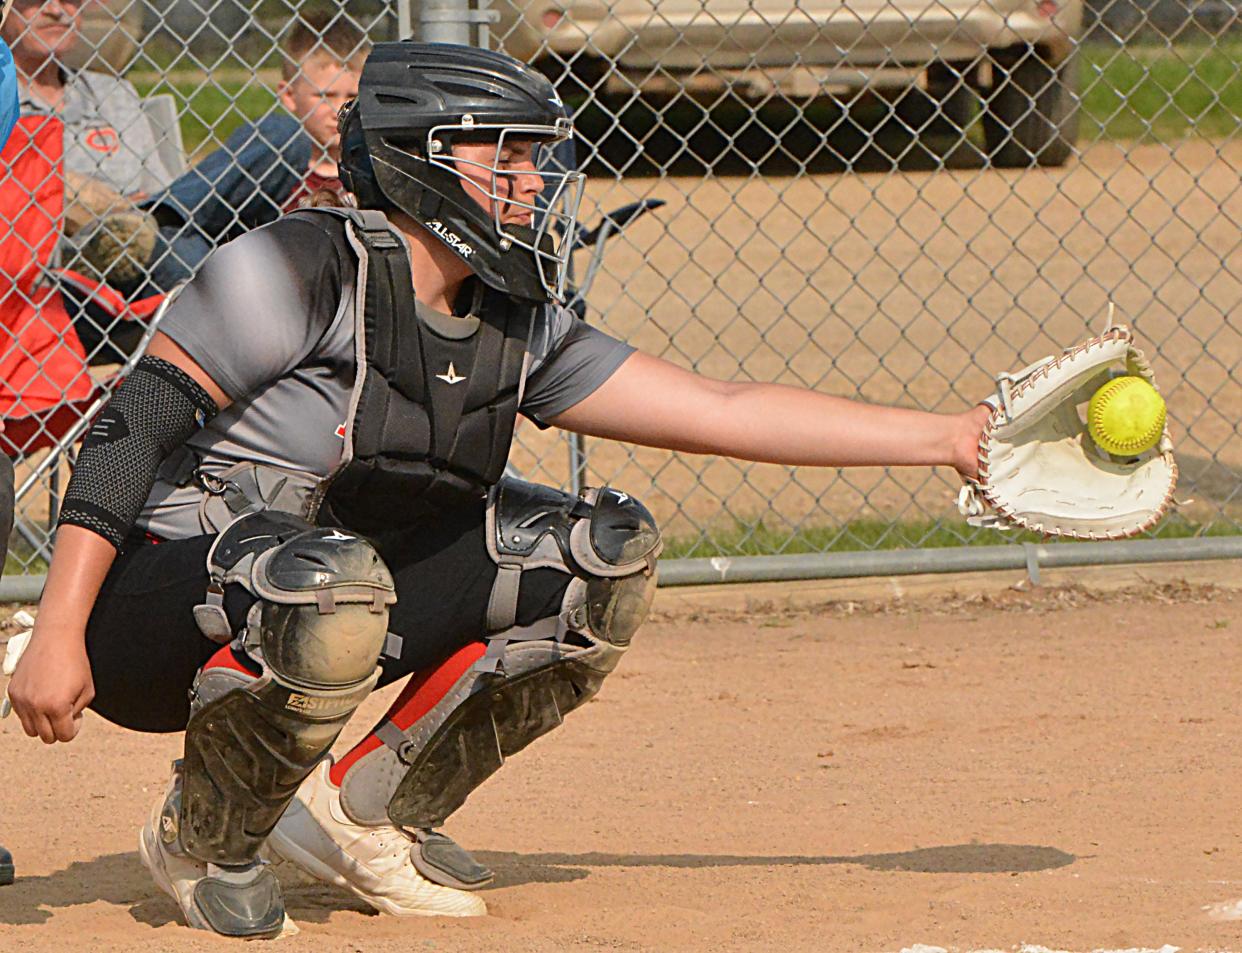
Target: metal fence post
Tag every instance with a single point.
(405, 24)
(464, 22)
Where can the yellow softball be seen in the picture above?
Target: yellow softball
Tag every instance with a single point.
(1126, 416)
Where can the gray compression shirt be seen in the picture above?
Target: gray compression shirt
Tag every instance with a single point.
(269, 318)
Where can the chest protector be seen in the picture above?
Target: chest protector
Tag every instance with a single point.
(432, 410)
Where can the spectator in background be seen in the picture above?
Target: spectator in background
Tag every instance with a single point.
(323, 63)
(110, 158)
(262, 170)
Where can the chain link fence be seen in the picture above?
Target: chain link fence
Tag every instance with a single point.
(889, 199)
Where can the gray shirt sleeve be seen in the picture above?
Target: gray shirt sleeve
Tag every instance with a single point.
(570, 359)
(259, 305)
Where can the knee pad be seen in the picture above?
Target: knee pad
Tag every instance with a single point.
(316, 630)
(606, 539)
(529, 678)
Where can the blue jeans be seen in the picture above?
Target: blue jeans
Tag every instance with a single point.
(242, 185)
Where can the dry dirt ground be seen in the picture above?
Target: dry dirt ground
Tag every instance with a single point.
(962, 766)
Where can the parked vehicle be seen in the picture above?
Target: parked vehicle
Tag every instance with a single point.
(1016, 55)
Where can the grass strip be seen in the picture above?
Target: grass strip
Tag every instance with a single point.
(1162, 92)
(868, 535)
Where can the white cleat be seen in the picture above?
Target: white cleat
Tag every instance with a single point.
(372, 862)
(243, 903)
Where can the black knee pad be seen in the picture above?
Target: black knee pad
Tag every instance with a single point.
(530, 678)
(615, 608)
(603, 537)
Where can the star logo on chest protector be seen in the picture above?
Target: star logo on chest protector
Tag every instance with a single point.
(450, 376)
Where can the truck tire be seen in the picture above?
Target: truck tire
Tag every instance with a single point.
(1030, 115)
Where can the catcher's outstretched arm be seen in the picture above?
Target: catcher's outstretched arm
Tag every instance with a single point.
(653, 402)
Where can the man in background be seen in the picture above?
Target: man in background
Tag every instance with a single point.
(110, 155)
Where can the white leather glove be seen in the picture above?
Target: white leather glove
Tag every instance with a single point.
(1040, 470)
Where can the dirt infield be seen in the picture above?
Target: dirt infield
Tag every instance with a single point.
(967, 769)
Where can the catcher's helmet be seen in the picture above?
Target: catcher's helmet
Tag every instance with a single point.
(414, 101)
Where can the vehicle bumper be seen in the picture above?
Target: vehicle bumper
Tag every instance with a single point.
(839, 48)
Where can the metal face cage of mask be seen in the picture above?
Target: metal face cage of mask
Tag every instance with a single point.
(554, 211)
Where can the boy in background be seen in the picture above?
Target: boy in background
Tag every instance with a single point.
(263, 170)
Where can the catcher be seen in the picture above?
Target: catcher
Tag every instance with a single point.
(298, 496)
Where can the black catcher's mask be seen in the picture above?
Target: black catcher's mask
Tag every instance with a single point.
(415, 100)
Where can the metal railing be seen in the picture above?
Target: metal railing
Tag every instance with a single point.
(886, 199)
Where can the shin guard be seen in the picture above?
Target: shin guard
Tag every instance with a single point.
(420, 775)
(317, 630)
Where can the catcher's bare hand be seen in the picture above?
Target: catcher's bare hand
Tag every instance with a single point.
(52, 686)
(966, 447)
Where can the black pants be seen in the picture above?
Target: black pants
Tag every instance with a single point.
(145, 648)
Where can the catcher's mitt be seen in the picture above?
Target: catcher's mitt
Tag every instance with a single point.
(1040, 470)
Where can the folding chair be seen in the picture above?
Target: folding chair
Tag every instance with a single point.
(161, 110)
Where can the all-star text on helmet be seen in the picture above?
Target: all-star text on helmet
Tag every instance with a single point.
(415, 101)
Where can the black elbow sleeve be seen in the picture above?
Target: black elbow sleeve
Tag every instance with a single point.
(151, 414)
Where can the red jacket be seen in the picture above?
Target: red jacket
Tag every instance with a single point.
(42, 363)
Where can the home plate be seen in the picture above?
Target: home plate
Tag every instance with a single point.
(1035, 948)
(1225, 910)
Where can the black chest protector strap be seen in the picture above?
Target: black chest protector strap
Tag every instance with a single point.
(431, 414)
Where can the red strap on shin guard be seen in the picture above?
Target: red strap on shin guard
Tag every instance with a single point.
(423, 691)
(227, 658)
